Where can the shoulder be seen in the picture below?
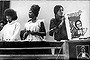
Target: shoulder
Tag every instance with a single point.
(40, 20)
(17, 23)
(53, 19)
(7, 25)
(27, 24)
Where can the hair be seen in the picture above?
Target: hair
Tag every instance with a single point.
(11, 13)
(77, 21)
(35, 9)
(56, 8)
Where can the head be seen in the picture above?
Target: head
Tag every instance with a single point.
(10, 15)
(58, 11)
(78, 24)
(34, 11)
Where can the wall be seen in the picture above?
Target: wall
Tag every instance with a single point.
(46, 11)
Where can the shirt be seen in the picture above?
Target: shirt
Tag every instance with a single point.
(37, 26)
(10, 31)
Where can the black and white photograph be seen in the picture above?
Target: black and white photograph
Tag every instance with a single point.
(45, 29)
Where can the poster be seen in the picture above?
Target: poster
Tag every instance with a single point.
(82, 52)
(75, 23)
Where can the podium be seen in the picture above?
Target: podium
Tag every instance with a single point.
(73, 49)
(30, 50)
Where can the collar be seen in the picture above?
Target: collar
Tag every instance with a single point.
(12, 22)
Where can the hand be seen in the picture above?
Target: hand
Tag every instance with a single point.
(28, 31)
(34, 33)
(63, 18)
(84, 30)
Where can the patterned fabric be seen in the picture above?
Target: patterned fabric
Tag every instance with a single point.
(35, 27)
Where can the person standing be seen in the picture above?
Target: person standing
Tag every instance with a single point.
(11, 29)
(58, 27)
(57, 24)
(34, 28)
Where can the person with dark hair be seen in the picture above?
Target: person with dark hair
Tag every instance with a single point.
(80, 31)
(57, 24)
(34, 28)
(11, 29)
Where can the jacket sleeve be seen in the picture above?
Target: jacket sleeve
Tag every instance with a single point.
(42, 30)
(52, 25)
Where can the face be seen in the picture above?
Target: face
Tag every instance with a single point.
(79, 24)
(31, 14)
(9, 19)
(60, 12)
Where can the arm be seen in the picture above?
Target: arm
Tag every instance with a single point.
(42, 30)
(16, 30)
(25, 34)
(52, 27)
(22, 34)
(63, 21)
